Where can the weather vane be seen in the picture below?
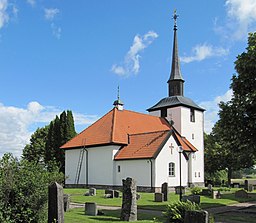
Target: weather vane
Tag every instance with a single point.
(175, 17)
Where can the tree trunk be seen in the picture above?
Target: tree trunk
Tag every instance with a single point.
(229, 176)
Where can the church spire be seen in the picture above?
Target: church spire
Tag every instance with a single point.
(118, 103)
(176, 81)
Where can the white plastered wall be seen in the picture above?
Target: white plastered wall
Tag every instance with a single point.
(170, 153)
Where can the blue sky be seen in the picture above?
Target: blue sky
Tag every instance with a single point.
(57, 55)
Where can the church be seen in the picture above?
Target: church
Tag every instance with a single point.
(165, 145)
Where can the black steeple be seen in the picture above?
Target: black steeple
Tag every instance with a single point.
(176, 81)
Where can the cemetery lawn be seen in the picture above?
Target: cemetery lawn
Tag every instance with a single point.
(77, 215)
(147, 199)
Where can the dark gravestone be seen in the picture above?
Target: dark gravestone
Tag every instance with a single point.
(138, 196)
(250, 188)
(241, 194)
(129, 203)
(109, 193)
(66, 199)
(246, 185)
(196, 217)
(178, 188)
(165, 191)
(159, 197)
(91, 208)
(192, 198)
(55, 203)
(116, 193)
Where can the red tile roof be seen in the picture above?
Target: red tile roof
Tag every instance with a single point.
(143, 145)
(141, 135)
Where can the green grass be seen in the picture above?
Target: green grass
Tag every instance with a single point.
(147, 199)
(77, 215)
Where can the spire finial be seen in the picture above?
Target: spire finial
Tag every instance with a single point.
(175, 17)
(118, 103)
(118, 93)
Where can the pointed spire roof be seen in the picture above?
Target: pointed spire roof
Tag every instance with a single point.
(175, 72)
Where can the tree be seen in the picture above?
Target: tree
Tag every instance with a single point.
(235, 130)
(24, 190)
(35, 151)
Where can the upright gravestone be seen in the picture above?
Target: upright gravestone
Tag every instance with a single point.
(129, 204)
(196, 217)
(209, 187)
(165, 191)
(92, 191)
(246, 185)
(55, 203)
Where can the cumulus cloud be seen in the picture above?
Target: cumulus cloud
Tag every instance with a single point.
(212, 109)
(16, 124)
(50, 13)
(203, 51)
(131, 63)
(4, 16)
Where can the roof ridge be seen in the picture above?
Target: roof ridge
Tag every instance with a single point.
(113, 125)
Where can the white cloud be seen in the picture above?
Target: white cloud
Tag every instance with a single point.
(212, 109)
(203, 51)
(16, 124)
(31, 2)
(243, 14)
(4, 16)
(50, 13)
(131, 64)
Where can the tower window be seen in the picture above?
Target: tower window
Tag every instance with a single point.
(118, 169)
(163, 112)
(171, 169)
(192, 115)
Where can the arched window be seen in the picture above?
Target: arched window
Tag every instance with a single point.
(171, 169)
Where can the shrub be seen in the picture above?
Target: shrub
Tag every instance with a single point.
(196, 190)
(175, 212)
(24, 190)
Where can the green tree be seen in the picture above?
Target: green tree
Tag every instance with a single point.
(35, 150)
(235, 130)
(23, 190)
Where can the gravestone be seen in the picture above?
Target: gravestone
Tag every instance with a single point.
(196, 217)
(236, 185)
(159, 197)
(91, 208)
(165, 191)
(241, 194)
(116, 193)
(246, 185)
(209, 187)
(250, 188)
(55, 203)
(214, 194)
(92, 191)
(66, 199)
(218, 195)
(109, 193)
(129, 203)
(177, 190)
(138, 196)
(192, 198)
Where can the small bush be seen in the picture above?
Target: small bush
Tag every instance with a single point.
(175, 212)
(224, 189)
(196, 190)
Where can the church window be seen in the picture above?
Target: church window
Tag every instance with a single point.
(198, 174)
(163, 112)
(193, 136)
(118, 169)
(192, 115)
(171, 169)
(195, 174)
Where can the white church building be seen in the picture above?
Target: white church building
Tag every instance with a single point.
(165, 145)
